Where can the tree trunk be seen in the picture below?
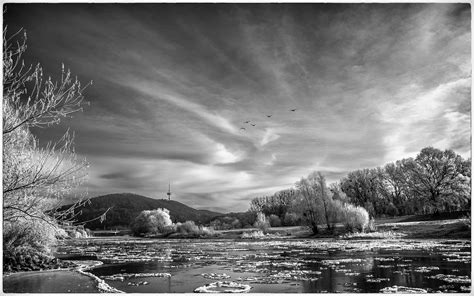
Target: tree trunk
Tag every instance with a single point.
(327, 220)
(434, 198)
(314, 228)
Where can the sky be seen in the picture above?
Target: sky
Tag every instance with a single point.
(173, 84)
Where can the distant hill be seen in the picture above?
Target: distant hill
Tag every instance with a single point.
(124, 207)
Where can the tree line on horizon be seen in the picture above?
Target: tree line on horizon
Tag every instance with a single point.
(434, 181)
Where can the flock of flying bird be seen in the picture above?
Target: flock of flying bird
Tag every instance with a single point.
(254, 124)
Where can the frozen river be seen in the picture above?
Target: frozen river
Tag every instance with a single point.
(281, 265)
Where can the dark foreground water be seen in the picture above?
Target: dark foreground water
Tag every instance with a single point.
(150, 266)
(51, 281)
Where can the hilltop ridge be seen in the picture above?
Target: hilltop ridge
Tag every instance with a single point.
(124, 207)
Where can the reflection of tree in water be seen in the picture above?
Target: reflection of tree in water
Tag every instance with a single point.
(341, 275)
(167, 254)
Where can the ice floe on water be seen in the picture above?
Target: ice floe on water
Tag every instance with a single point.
(101, 284)
(86, 264)
(383, 259)
(377, 280)
(352, 273)
(223, 287)
(123, 276)
(385, 266)
(298, 275)
(402, 289)
(141, 283)
(401, 272)
(451, 278)
(426, 269)
(215, 276)
(342, 260)
(465, 288)
(287, 262)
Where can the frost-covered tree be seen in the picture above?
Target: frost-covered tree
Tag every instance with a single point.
(316, 200)
(355, 218)
(36, 176)
(152, 222)
(262, 222)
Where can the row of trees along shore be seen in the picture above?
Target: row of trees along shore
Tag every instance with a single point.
(434, 181)
(36, 176)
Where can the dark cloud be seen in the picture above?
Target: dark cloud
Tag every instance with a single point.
(118, 175)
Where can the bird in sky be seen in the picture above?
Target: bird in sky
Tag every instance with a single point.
(247, 121)
(242, 128)
(252, 124)
(269, 116)
(293, 110)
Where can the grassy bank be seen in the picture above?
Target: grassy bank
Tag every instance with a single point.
(385, 229)
(442, 225)
(453, 228)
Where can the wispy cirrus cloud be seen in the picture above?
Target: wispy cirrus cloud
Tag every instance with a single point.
(174, 85)
(430, 117)
(156, 93)
(269, 136)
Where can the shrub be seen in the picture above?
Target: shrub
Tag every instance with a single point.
(274, 220)
(291, 219)
(190, 228)
(374, 235)
(252, 234)
(151, 222)
(226, 222)
(170, 228)
(26, 240)
(236, 224)
(372, 227)
(356, 218)
(38, 235)
(261, 222)
(187, 227)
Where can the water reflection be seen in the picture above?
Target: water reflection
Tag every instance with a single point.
(286, 265)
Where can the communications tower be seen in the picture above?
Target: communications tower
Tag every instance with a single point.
(169, 191)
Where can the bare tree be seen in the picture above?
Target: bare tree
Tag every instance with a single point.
(36, 177)
(440, 178)
(311, 201)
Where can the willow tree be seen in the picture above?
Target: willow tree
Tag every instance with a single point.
(316, 201)
(36, 176)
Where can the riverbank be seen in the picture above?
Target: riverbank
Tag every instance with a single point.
(438, 225)
(386, 228)
(450, 229)
(76, 280)
(390, 235)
